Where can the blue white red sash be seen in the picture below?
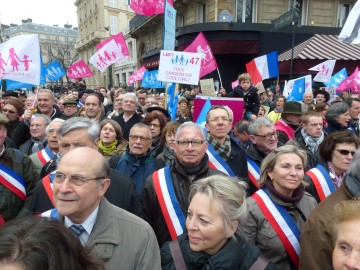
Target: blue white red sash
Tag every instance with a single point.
(217, 162)
(253, 172)
(48, 186)
(13, 181)
(45, 155)
(322, 181)
(170, 207)
(51, 214)
(282, 223)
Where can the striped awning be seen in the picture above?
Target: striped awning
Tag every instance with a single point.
(323, 47)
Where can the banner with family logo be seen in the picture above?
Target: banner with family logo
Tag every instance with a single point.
(179, 67)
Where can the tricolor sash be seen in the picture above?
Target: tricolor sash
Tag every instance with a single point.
(13, 181)
(253, 172)
(170, 207)
(45, 155)
(322, 181)
(217, 162)
(282, 223)
(51, 214)
(47, 183)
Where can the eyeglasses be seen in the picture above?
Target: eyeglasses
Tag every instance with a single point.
(118, 99)
(37, 125)
(136, 137)
(217, 119)
(345, 152)
(76, 180)
(8, 111)
(153, 125)
(268, 136)
(194, 143)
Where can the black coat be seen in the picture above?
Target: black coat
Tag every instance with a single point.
(251, 99)
(126, 126)
(236, 254)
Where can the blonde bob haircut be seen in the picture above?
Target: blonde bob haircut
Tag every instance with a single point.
(225, 192)
(345, 211)
(269, 162)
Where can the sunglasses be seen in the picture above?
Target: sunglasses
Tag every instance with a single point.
(345, 152)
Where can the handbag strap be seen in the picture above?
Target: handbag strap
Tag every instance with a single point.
(177, 255)
(259, 264)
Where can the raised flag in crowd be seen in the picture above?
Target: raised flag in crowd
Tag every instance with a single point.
(234, 84)
(350, 32)
(263, 67)
(79, 70)
(351, 83)
(289, 86)
(106, 56)
(150, 80)
(13, 85)
(120, 41)
(201, 120)
(137, 75)
(54, 71)
(149, 7)
(20, 59)
(200, 45)
(325, 70)
(172, 100)
(337, 78)
(297, 91)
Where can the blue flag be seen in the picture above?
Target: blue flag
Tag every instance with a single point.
(172, 100)
(42, 72)
(12, 85)
(150, 80)
(54, 71)
(298, 90)
(201, 120)
(337, 78)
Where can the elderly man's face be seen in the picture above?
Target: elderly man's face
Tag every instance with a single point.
(139, 141)
(37, 128)
(45, 102)
(74, 139)
(52, 138)
(218, 124)
(76, 201)
(129, 104)
(308, 98)
(188, 152)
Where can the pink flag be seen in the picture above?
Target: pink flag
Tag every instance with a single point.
(106, 56)
(79, 70)
(351, 83)
(149, 7)
(200, 45)
(120, 41)
(234, 84)
(137, 76)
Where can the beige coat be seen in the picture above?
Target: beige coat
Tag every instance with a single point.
(258, 231)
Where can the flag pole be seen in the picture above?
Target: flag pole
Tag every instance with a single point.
(221, 85)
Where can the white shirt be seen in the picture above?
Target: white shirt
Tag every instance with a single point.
(88, 225)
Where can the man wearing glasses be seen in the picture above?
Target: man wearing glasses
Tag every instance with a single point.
(137, 161)
(264, 139)
(164, 199)
(116, 236)
(224, 154)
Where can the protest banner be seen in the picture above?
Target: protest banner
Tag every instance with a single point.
(207, 87)
(179, 67)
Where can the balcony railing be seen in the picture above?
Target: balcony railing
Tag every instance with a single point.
(137, 21)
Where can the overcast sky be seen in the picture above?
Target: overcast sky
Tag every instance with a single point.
(48, 12)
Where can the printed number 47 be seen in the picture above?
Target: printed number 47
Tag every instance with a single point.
(194, 60)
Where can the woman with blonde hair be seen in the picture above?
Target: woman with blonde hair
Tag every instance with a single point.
(277, 212)
(212, 238)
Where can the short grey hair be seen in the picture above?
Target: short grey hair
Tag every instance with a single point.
(258, 123)
(142, 125)
(186, 125)
(53, 121)
(46, 91)
(92, 126)
(45, 117)
(335, 110)
(133, 96)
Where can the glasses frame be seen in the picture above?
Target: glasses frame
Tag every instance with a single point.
(136, 137)
(345, 152)
(81, 179)
(266, 137)
(198, 143)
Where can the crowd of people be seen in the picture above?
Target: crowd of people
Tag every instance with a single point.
(104, 179)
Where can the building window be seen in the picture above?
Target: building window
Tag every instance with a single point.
(113, 3)
(113, 25)
(245, 11)
(343, 12)
(201, 13)
(130, 48)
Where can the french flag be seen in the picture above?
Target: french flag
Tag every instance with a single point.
(263, 67)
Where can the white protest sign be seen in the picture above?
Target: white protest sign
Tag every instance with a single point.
(179, 67)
